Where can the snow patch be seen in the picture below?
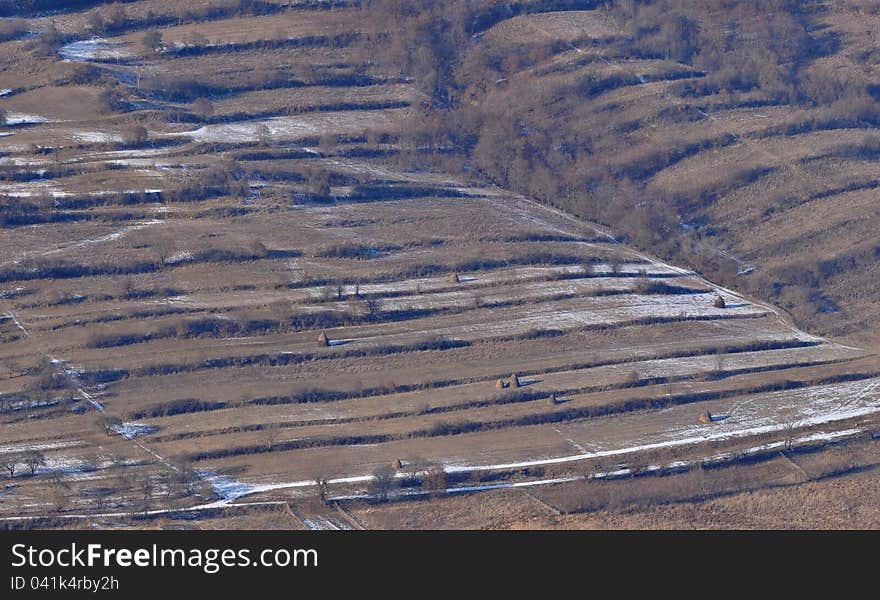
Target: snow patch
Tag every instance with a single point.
(132, 430)
(40, 446)
(25, 119)
(93, 49)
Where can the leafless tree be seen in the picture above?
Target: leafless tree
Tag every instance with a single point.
(434, 479)
(372, 306)
(152, 41)
(101, 496)
(196, 39)
(186, 476)
(720, 357)
(318, 182)
(147, 493)
(58, 491)
(11, 462)
(116, 16)
(203, 108)
(271, 431)
(789, 428)
(264, 134)
(33, 460)
(383, 483)
(322, 490)
(135, 135)
(327, 144)
(95, 22)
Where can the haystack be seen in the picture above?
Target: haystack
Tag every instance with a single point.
(454, 278)
(514, 381)
(705, 418)
(397, 464)
(501, 384)
(323, 339)
(719, 302)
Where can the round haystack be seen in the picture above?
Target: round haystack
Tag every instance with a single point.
(719, 302)
(501, 384)
(705, 418)
(454, 278)
(514, 381)
(323, 339)
(397, 464)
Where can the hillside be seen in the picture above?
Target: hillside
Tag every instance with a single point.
(278, 262)
(739, 138)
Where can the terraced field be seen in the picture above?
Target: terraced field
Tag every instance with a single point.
(776, 189)
(258, 303)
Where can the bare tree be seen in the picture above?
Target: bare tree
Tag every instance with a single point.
(434, 479)
(186, 476)
(789, 427)
(100, 496)
(196, 39)
(33, 460)
(116, 16)
(147, 493)
(720, 357)
(383, 483)
(264, 134)
(135, 135)
(95, 22)
(322, 490)
(616, 265)
(318, 182)
(271, 431)
(372, 306)
(203, 108)
(11, 462)
(327, 144)
(58, 492)
(122, 479)
(152, 41)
